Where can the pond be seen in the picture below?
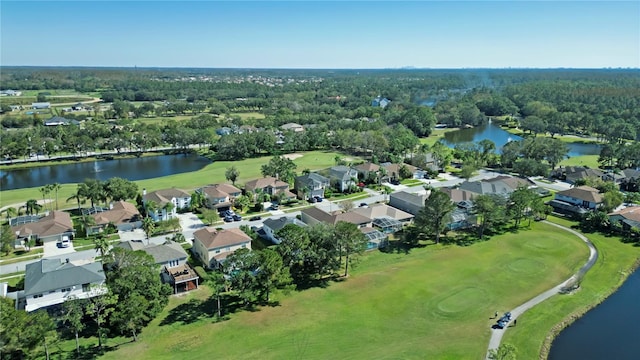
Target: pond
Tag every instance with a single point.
(610, 331)
(129, 168)
(500, 137)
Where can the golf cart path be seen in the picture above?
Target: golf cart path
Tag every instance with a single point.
(496, 334)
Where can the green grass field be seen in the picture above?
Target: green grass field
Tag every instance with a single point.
(248, 115)
(614, 261)
(213, 173)
(434, 303)
(162, 119)
(582, 160)
(435, 136)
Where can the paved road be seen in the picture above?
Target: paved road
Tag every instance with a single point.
(496, 334)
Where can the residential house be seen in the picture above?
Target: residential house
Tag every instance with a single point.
(59, 120)
(292, 127)
(219, 196)
(431, 162)
(380, 102)
(629, 217)
(54, 227)
(214, 246)
(172, 258)
(314, 215)
(270, 185)
(343, 176)
(40, 105)
(80, 107)
(458, 195)
(583, 196)
(311, 185)
(408, 202)
(10, 93)
(224, 131)
(168, 202)
(375, 238)
(571, 174)
(367, 170)
(52, 281)
(501, 185)
(271, 227)
(386, 218)
(125, 216)
(393, 171)
(631, 180)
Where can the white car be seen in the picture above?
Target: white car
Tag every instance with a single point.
(65, 243)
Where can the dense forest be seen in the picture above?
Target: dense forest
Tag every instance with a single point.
(147, 108)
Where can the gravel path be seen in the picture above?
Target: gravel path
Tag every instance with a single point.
(496, 334)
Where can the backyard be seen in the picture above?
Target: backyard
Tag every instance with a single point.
(434, 302)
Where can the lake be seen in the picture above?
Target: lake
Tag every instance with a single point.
(609, 331)
(129, 168)
(500, 137)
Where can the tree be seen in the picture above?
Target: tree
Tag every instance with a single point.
(611, 200)
(130, 315)
(56, 187)
(101, 244)
(347, 205)
(7, 238)
(503, 352)
(32, 207)
(197, 200)
(272, 273)
(351, 240)
(232, 174)
(150, 207)
(241, 267)
(73, 312)
(78, 197)
(210, 216)
(98, 308)
(21, 332)
(10, 212)
(149, 226)
(519, 203)
(467, 170)
(45, 190)
(119, 189)
(280, 167)
(242, 203)
(219, 285)
(434, 217)
(491, 208)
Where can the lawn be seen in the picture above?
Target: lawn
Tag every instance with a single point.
(433, 303)
(213, 173)
(582, 160)
(248, 115)
(435, 136)
(162, 119)
(612, 267)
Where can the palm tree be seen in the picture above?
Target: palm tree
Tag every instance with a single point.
(77, 196)
(148, 225)
(101, 244)
(32, 206)
(88, 222)
(168, 207)
(44, 191)
(55, 187)
(10, 212)
(150, 207)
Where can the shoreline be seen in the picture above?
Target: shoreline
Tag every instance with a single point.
(577, 314)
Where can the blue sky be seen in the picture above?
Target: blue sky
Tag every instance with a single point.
(321, 34)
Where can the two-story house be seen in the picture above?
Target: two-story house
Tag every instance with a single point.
(54, 227)
(582, 196)
(214, 246)
(367, 170)
(270, 185)
(628, 217)
(51, 282)
(168, 202)
(219, 196)
(343, 176)
(311, 185)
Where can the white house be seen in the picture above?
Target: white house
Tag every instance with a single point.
(179, 199)
(213, 246)
(51, 282)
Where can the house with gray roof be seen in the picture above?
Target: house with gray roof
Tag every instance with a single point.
(40, 105)
(408, 202)
(343, 176)
(311, 185)
(582, 196)
(628, 217)
(50, 282)
(571, 174)
(59, 120)
(168, 202)
(314, 215)
(271, 227)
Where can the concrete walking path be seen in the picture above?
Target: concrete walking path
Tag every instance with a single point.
(496, 334)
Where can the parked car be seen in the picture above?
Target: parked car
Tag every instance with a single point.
(364, 205)
(228, 218)
(318, 198)
(313, 200)
(237, 217)
(255, 218)
(274, 207)
(64, 243)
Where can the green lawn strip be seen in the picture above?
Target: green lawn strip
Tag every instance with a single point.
(581, 160)
(433, 303)
(43, 162)
(411, 182)
(213, 173)
(248, 115)
(613, 266)
(161, 119)
(21, 255)
(435, 136)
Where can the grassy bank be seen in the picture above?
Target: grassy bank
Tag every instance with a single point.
(582, 160)
(613, 266)
(435, 302)
(42, 162)
(213, 173)
(435, 136)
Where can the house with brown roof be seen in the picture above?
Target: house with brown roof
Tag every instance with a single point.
(219, 196)
(393, 170)
(54, 227)
(367, 168)
(583, 196)
(384, 217)
(458, 195)
(125, 216)
(314, 215)
(270, 185)
(629, 217)
(179, 199)
(213, 246)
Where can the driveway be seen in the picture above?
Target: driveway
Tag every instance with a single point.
(190, 223)
(51, 249)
